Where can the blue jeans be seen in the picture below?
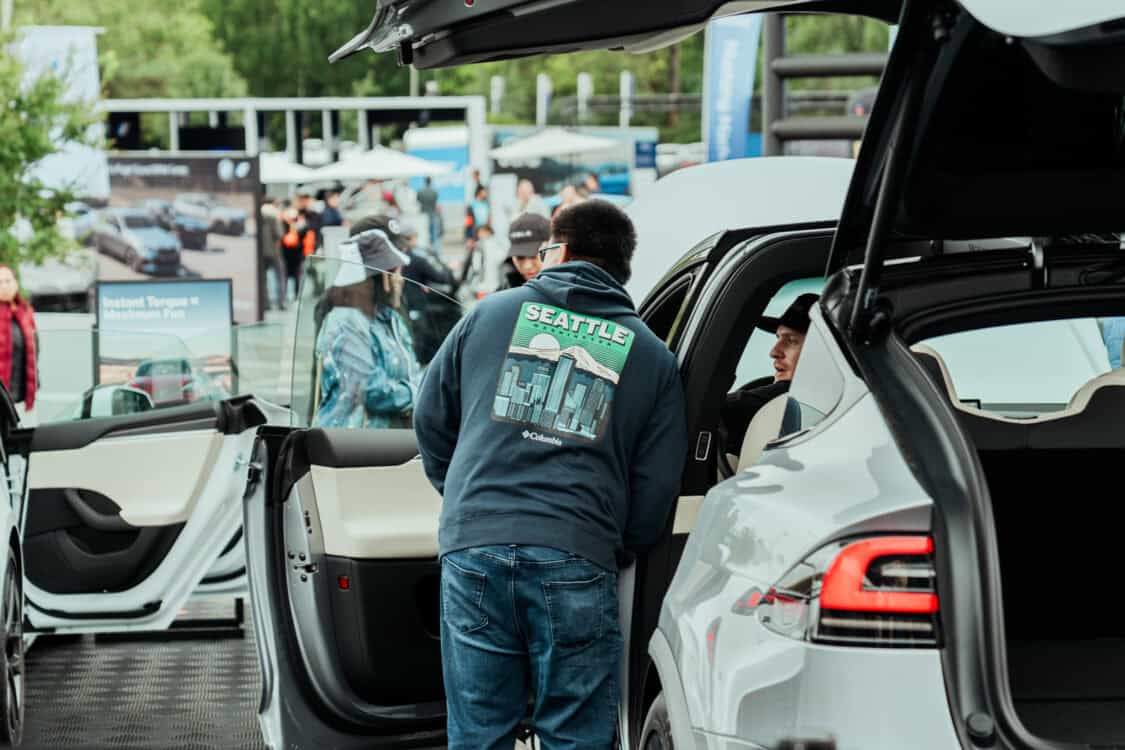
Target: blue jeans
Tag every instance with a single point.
(436, 231)
(529, 622)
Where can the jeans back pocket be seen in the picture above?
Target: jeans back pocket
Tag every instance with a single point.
(462, 593)
(577, 610)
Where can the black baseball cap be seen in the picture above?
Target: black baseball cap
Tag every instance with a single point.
(527, 233)
(796, 316)
(389, 226)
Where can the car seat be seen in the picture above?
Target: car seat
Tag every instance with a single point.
(764, 427)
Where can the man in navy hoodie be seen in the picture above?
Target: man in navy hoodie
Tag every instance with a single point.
(552, 422)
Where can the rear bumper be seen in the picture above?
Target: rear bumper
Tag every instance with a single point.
(763, 689)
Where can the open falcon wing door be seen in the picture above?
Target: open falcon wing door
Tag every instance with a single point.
(435, 33)
(133, 485)
(342, 536)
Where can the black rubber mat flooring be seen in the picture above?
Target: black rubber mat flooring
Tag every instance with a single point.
(197, 694)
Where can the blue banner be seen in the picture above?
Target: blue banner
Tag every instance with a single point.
(731, 59)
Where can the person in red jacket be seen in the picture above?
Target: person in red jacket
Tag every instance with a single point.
(18, 344)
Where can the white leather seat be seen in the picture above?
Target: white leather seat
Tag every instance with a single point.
(1078, 402)
(764, 427)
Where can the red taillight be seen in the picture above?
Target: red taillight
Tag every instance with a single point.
(878, 591)
(344, 583)
(847, 586)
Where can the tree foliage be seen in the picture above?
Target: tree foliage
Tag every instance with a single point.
(281, 47)
(36, 119)
(149, 49)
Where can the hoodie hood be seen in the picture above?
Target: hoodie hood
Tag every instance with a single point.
(581, 285)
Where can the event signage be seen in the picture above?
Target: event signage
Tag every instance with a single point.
(144, 326)
(183, 216)
(731, 57)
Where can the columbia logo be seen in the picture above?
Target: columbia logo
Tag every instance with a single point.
(536, 437)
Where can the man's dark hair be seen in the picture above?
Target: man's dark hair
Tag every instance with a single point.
(599, 232)
(429, 181)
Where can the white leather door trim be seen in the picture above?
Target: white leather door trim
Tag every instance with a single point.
(687, 510)
(156, 480)
(377, 512)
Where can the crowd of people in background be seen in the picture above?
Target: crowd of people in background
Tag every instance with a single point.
(292, 230)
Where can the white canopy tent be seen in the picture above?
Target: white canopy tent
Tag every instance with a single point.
(380, 163)
(551, 142)
(276, 169)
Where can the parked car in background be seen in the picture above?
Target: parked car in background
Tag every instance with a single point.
(63, 284)
(82, 219)
(191, 230)
(207, 208)
(177, 381)
(131, 236)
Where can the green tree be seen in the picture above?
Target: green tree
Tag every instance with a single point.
(281, 47)
(35, 120)
(149, 49)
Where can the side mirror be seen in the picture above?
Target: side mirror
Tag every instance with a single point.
(114, 401)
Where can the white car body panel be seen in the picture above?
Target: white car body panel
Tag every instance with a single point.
(806, 491)
(678, 212)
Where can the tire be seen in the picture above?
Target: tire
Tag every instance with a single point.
(657, 731)
(12, 657)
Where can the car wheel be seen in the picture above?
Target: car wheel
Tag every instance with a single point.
(12, 661)
(657, 731)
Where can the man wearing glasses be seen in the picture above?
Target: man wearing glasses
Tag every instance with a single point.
(552, 422)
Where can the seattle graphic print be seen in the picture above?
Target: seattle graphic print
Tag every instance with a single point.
(561, 371)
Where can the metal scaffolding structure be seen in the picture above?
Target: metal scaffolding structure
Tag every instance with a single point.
(367, 111)
(778, 126)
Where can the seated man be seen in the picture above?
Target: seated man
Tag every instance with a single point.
(743, 404)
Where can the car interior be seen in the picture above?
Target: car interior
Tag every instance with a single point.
(1065, 644)
(103, 532)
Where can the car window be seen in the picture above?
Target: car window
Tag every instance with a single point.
(755, 363)
(665, 312)
(88, 373)
(818, 385)
(138, 222)
(363, 340)
(1030, 368)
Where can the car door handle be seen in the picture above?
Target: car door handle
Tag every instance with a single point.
(91, 517)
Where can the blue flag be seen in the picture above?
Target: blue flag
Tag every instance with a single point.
(730, 61)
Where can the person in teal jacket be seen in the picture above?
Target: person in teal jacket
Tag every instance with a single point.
(368, 370)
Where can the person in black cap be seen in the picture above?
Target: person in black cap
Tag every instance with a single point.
(743, 404)
(368, 371)
(527, 233)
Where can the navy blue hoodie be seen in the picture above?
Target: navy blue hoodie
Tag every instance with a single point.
(552, 416)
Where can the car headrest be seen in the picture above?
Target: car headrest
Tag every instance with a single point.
(1081, 398)
(939, 373)
(764, 427)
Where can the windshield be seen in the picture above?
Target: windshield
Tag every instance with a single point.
(362, 342)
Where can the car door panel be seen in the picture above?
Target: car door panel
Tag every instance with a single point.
(126, 515)
(351, 630)
(165, 492)
(359, 521)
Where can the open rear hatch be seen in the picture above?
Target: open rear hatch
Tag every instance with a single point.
(440, 33)
(993, 122)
